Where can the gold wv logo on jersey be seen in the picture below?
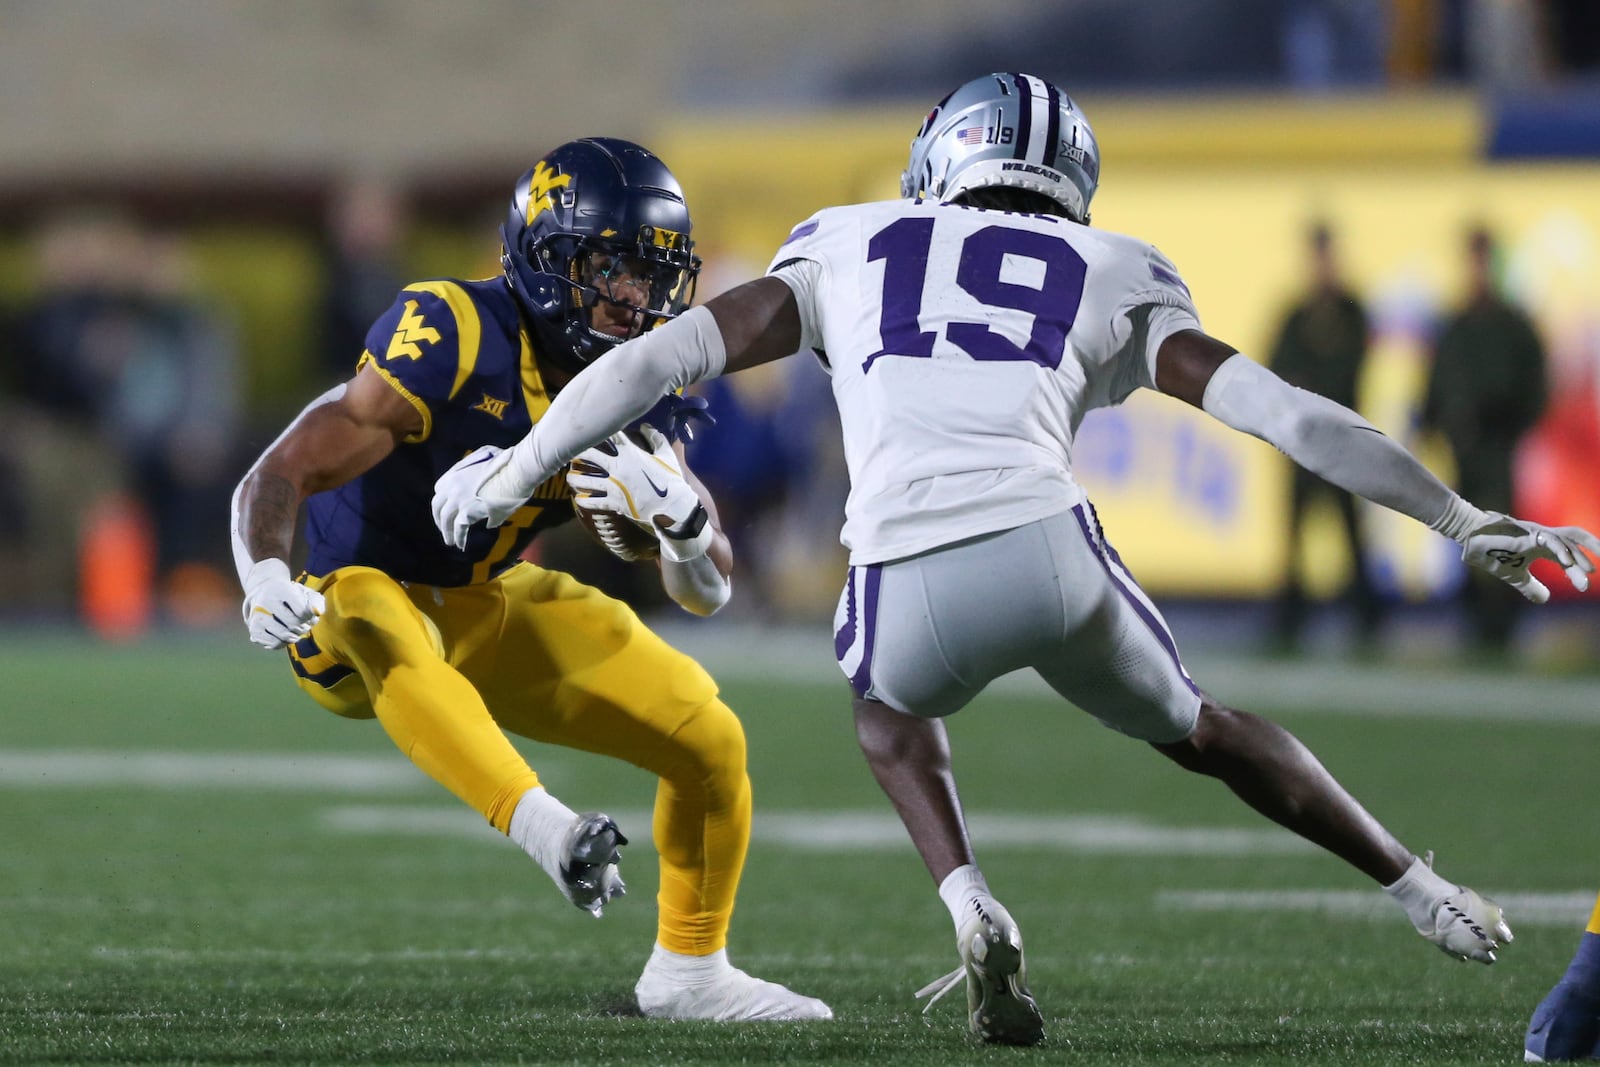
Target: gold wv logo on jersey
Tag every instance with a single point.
(492, 406)
(410, 335)
(541, 189)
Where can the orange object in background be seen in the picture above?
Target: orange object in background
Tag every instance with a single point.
(116, 568)
(198, 596)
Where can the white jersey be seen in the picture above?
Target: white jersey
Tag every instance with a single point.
(965, 347)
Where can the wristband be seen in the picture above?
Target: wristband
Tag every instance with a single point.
(689, 539)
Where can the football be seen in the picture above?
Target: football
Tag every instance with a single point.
(623, 538)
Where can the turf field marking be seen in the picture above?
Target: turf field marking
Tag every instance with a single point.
(1536, 909)
(81, 768)
(275, 955)
(861, 831)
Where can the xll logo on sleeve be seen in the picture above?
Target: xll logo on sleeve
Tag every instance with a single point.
(492, 406)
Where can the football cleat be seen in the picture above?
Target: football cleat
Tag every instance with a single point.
(590, 854)
(1000, 1010)
(730, 997)
(1565, 1026)
(1468, 926)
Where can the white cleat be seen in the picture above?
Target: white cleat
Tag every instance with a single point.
(728, 996)
(1000, 1010)
(1468, 926)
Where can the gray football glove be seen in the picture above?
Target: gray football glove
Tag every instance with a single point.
(1506, 546)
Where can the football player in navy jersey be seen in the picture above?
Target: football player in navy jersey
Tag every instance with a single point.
(449, 647)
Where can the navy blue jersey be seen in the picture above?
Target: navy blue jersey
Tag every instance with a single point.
(457, 351)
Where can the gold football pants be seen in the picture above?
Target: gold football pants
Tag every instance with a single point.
(537, 653)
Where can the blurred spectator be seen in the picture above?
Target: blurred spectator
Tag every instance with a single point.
(85, 264)
(1334, 44)
(1321, 347)
(743, 462)
(1574, 32)
(1487, 390)
(1506, 43)
(127, 380)
(362, 270)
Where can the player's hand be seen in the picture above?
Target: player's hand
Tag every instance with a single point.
(278, 610)
(459, 498)
(589, 857)
(1505, 547)
(645, 486)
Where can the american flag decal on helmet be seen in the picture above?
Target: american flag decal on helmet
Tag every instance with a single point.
(970, 135)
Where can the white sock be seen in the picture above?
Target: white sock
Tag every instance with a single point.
(1418, 890)
(962, 890)
(688, 970)
(539, 826)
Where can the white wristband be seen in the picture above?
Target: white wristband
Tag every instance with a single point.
(689, 539)
(265, 570)
(1458, 519)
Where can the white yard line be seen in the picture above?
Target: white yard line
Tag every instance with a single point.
(301, 772)
(1536, 909)
(875, 831)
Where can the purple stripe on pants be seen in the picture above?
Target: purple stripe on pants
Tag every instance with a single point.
(845, 636)
(845, 639)
(1150, 620)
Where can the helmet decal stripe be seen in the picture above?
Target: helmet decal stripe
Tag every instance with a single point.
(1052, 135)
(1036, 144)
(1025, 139)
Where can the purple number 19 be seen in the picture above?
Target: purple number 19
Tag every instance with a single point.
(904, 244)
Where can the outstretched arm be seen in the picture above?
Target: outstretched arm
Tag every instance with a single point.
(1334, 442)
(752, 324)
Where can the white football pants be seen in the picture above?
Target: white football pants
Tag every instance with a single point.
(925, 634)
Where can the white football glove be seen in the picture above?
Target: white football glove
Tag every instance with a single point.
(647, 487)
(589, 857)
(1505, 546)
(278, 610)
(459, 500)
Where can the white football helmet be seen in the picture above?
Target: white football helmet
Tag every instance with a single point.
(1011, 130)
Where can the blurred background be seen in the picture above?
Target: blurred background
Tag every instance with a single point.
(203, 205)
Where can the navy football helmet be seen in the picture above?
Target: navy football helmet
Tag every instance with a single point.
(597, 229)
(1014, 131)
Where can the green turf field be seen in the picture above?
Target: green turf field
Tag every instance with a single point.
(200, 866)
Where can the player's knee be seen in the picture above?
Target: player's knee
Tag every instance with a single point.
(370, 618)
(890, 738)
(1213, 725)
(361, 596)
(713, 742)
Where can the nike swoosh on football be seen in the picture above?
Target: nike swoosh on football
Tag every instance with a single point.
(658, 489)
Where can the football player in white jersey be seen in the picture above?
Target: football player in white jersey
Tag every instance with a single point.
(968, 327)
